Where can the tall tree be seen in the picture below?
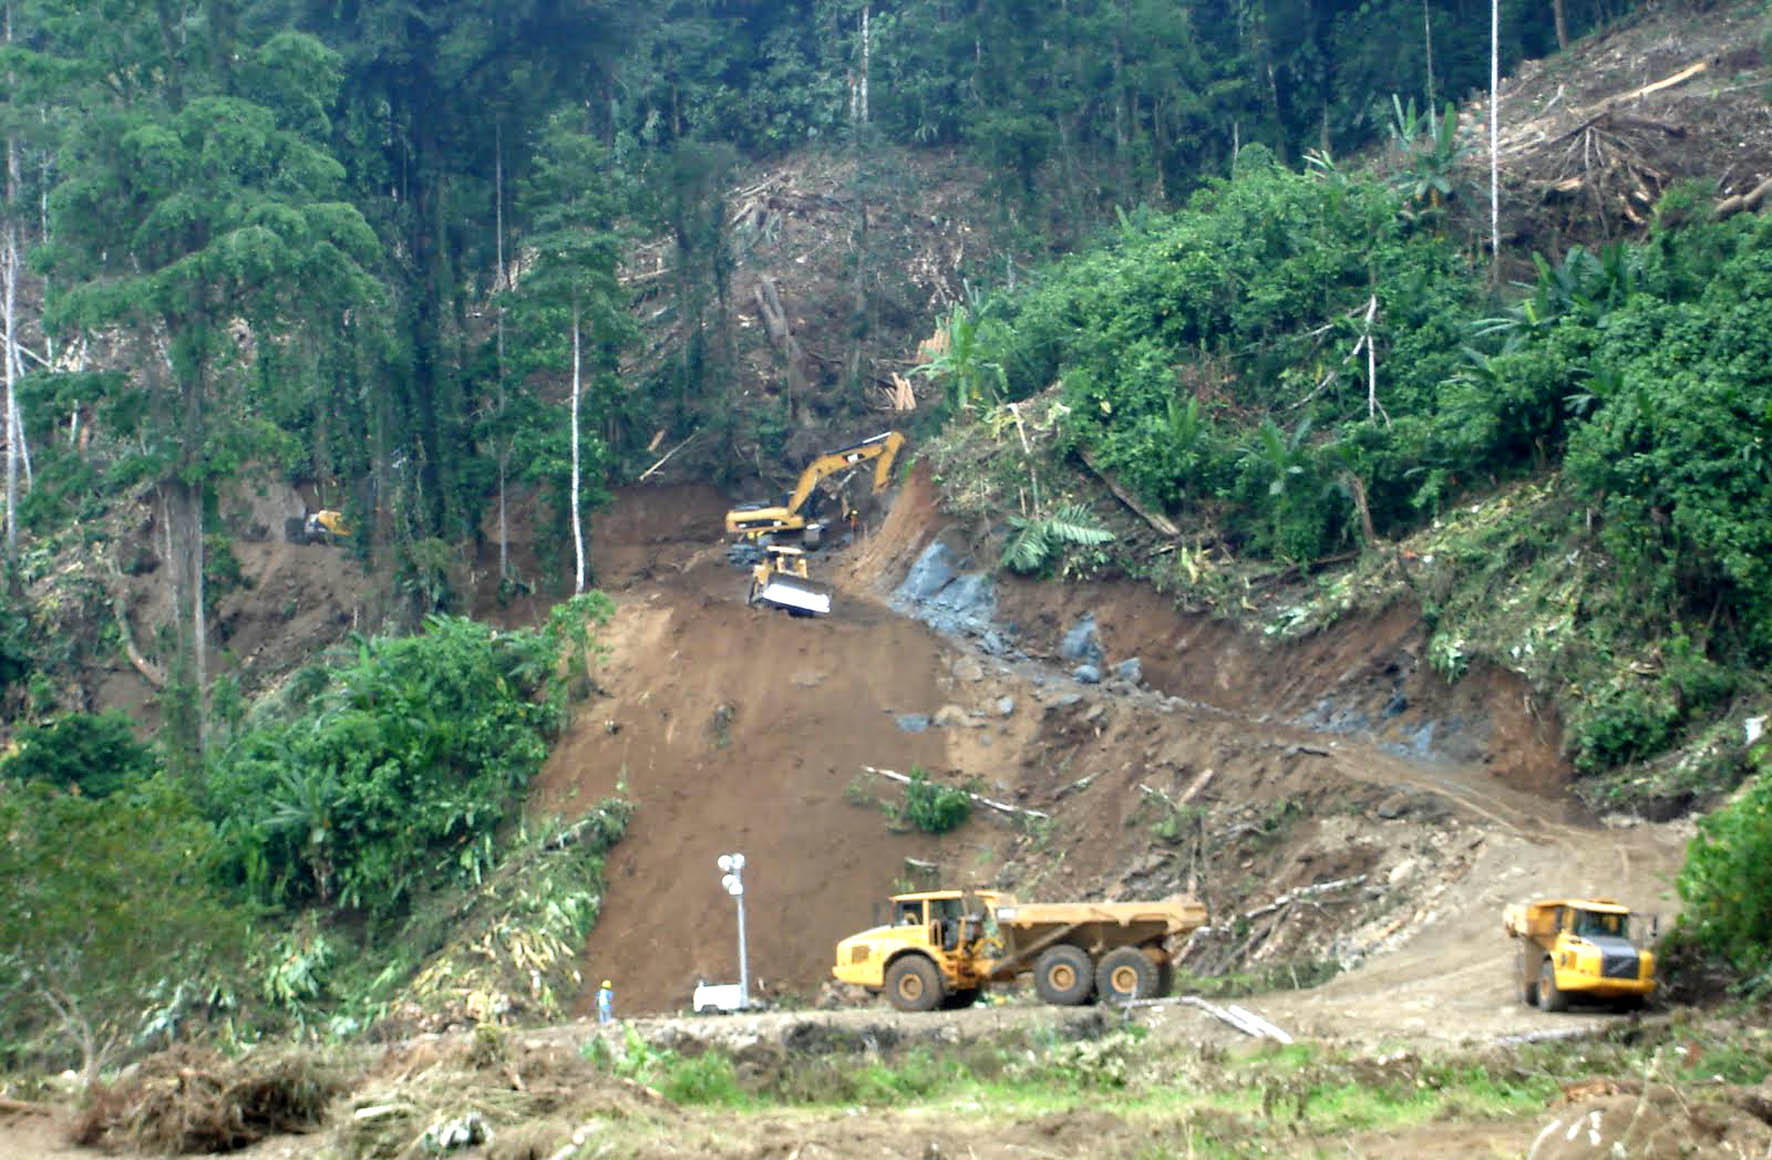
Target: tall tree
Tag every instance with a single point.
(574, 199)
(205, 226)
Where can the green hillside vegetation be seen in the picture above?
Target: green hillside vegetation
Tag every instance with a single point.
(1216, 361)
(348, 831)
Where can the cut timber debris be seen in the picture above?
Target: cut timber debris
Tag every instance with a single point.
(1243, 1019)
(1000, 807)
(1291, 896)
(1750, 200)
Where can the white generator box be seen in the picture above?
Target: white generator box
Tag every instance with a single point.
(717, 998)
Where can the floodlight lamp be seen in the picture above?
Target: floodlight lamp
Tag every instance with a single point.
(725, 862)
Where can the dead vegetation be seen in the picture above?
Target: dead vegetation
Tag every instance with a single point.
(193, 1100)
(519, 1100)
(1590, 140)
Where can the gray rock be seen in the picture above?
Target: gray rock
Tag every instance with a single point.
(1130, 670)
(1005, 706)
(913, 722)
(950, 717)
(1087, 674)
(932, 572)
(1082, 642)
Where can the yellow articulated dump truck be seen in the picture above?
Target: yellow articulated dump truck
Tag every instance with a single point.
(1581, 947)
(943, 948)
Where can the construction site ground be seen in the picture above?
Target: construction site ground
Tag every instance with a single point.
(1332, 799)
(735, 728)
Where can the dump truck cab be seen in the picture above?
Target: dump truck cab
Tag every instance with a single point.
(932, 951)
(1578, 946)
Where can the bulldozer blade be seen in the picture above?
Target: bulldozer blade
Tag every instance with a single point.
(796, 597)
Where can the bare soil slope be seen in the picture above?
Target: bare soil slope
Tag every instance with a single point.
(736, 728)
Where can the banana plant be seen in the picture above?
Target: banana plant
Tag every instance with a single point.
(960, 362)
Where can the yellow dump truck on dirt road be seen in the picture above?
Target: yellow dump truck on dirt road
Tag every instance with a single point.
(942, 948)
(1578, 946)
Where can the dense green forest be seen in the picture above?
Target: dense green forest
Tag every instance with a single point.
(335, 238)
(375, 249)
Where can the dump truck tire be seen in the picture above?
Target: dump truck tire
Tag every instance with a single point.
(1549, 998)
(1063, 976)
(1125, 974)
(1526, 978)
(913, 984)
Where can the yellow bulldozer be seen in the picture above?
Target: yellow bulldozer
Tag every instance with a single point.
(1580, 947)
(782, 580)
(793, 514)
(943, 948)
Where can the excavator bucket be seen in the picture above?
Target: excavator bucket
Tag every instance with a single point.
(794, 594)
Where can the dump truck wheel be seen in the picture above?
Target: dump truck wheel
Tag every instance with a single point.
(1526, 979)
(1125, 974)
(1062, 976)
(959, 1000)
(1549, 998)
(913, 984)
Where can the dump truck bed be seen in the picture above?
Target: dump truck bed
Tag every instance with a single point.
(1097, 927)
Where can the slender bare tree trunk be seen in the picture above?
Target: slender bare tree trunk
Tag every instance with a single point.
(578, 531)
(1427, 35)
(9, 274)
(1495, 134)
(866, 52)
(1560, 11)
(498, 284)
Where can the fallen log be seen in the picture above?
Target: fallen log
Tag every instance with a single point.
(1158, 522)
(1291, 896)
(1730, 206)
(23, 1107)
(1240, 1018)
(644, 475)
(1001, 807)
(1268, 1029)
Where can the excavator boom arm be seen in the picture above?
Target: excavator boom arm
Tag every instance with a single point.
(882, 449)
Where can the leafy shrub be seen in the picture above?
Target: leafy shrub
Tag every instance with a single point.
(1034, 543)
(934, 808)
(1726, 883)
(392, 771)
(106, 902)
(707, 1079)
(94, 753)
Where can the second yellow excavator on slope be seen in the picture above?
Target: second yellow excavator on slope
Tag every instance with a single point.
(754, 521)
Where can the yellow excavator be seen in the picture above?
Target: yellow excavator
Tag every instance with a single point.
(755, 521)
(325, 526)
